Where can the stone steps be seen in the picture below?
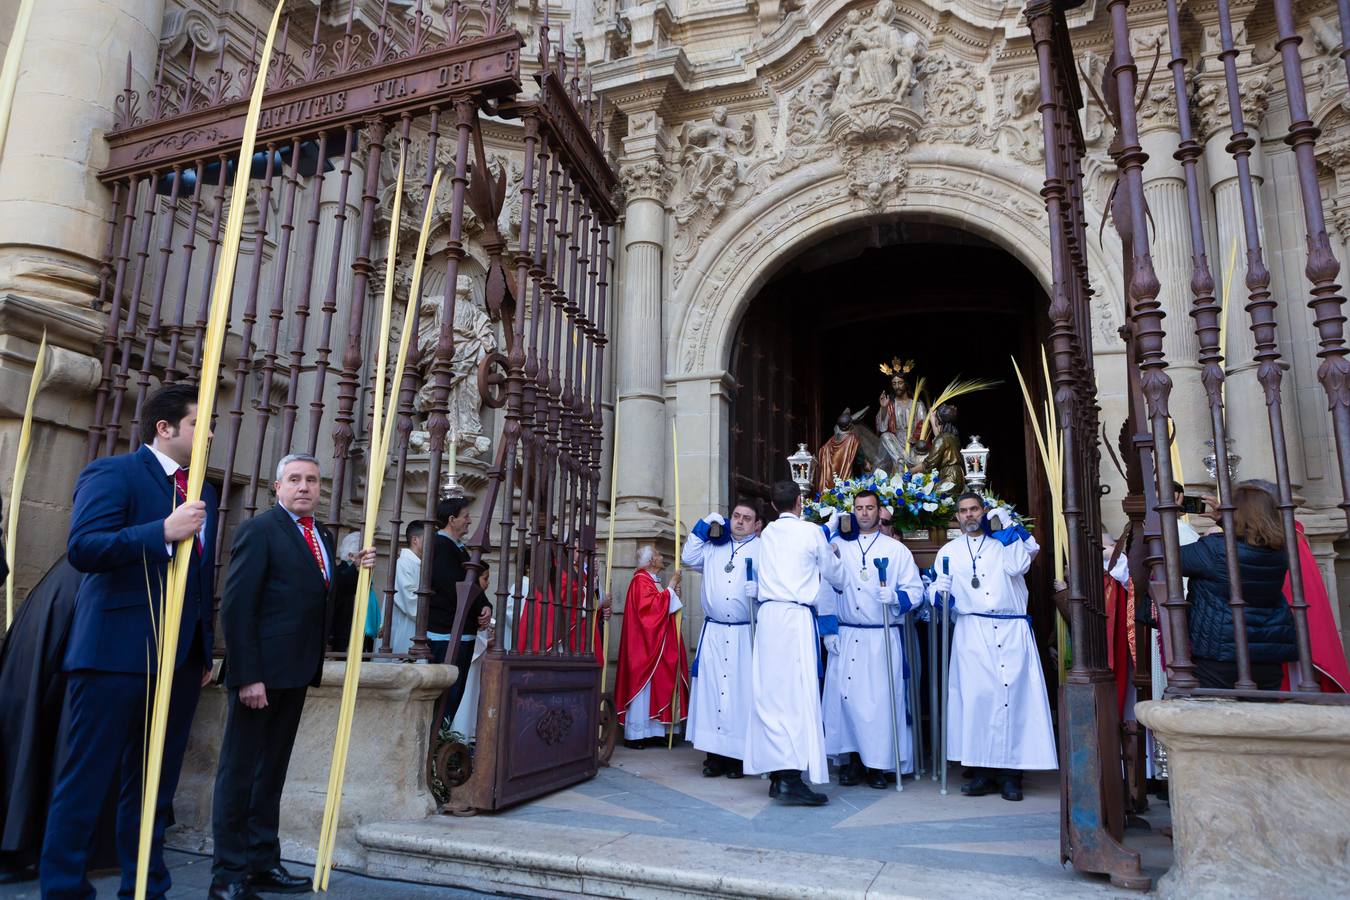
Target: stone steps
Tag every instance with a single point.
(510, 856)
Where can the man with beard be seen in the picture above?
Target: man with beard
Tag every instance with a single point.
(719, 702)
(998, 719)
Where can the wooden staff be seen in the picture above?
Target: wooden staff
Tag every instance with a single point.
(20, 472)
(9, 74)
(609, 554)
(383, 432)
(214, 345)
(679, 613)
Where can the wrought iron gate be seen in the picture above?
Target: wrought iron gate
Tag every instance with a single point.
(339, 112)
(1094, 798)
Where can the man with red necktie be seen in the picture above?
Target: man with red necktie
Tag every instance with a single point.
(127, 518)
(275, 611)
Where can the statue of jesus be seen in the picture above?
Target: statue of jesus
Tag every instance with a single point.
(900, 421)
(836, 457)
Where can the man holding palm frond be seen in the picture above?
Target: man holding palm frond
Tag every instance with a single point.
(129, 513)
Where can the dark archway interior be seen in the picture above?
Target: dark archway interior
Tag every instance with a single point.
(812, 341)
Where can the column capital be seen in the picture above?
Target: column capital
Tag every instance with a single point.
(648, 179)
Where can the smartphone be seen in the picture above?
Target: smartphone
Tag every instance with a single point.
(1192, 506)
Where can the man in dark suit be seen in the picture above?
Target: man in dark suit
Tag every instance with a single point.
(275, 612)
(129, 513)
(447, 572)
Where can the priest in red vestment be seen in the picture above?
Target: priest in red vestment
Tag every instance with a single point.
(651, 654)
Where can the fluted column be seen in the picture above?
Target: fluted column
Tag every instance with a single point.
(647, 182)
(1165, 191)
(1248, 423)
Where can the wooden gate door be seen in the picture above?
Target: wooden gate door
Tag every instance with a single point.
(343, 106)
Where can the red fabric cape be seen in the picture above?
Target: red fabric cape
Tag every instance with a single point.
(1118, 637)
(535, 631)
(1327, 650)
(650, 650)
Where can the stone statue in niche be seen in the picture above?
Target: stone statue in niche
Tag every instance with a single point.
(475, 338)
(874, 58)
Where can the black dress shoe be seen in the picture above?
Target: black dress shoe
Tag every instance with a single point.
(794, 792)
(635, 745)
(979, 786)
(277, 880)
(876, 779)
(232, 890)
(850, 773)
(1011, 789)
(735, 769)
(714, 766)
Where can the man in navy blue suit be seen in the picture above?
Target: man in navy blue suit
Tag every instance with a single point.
(130, 511)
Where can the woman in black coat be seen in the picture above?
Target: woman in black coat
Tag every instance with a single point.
(1262, 565)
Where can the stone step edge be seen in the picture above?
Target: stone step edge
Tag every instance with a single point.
(412, 851)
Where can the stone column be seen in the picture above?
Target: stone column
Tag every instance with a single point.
(1248, 423)
(1165, 192)
(647, 182)
(53, 230)
(53, 210)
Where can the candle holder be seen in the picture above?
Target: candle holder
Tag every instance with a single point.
(802, 465)
(975, 459)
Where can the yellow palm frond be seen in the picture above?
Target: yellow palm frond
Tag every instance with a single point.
(958, 387)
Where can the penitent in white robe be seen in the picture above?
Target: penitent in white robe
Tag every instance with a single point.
(858, 689)
(998, 710)
(719, 693)
(785, 730)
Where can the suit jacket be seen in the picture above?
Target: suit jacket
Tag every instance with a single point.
(447, 573)
(117, 540)
(275, 607)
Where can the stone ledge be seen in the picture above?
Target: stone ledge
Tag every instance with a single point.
(1260, 796)
(495, 854)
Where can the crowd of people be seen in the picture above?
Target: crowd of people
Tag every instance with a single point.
(802, 653)
(81, 659)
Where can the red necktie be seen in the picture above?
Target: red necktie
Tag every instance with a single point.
(180, 483)
(307, 524)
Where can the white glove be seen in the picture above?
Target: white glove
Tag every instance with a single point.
(752, 589)
(832, 644)
(1005, 515)
(943, 584)
(710, 518)
(884, 594)
(832, 523)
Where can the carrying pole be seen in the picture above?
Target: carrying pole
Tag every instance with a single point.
(946, 666)
(890, 676)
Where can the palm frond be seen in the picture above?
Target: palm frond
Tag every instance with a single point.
(957, 387)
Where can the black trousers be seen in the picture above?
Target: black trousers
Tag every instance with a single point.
(463, 659)
(254, 756)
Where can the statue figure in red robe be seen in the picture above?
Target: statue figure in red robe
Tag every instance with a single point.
(651, 655)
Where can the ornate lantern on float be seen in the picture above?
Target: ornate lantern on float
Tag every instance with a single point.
(802, 465)
(975, 460)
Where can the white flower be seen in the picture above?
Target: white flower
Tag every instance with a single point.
(930, 507)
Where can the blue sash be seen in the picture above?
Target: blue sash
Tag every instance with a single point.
(693, 671)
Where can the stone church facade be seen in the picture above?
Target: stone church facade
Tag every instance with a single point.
(744, 134)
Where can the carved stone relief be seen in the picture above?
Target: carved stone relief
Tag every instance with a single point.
(715, 158)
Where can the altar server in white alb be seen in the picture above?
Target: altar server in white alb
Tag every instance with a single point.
(719, 699)
(864, 685)
(998, 719)
(785, 736)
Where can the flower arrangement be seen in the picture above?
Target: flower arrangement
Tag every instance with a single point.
(917, 501)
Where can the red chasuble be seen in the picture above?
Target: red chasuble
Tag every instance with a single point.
(1119, 616)
(650, 650)
(1327, 651)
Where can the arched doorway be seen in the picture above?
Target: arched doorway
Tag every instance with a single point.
(811, 342)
